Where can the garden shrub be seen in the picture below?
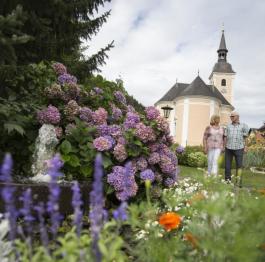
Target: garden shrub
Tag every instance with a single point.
(197, 159)
(183, 157)
(21, 97)
(92, 119)
(255, 157)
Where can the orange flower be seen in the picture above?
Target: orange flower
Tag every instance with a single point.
(192, 239)
(262, 246)
(170, 220)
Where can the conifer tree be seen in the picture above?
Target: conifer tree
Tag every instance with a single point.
(57, 28)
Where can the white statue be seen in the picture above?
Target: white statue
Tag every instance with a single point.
(44, 151)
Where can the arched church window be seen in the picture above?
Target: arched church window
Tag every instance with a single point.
(223, 83)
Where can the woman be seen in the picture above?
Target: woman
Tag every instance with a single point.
(213, 143)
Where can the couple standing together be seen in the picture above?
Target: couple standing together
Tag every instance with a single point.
(230, 139)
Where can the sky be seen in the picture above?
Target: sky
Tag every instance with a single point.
(159, 42)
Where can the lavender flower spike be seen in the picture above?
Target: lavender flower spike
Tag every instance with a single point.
(52, 205)
(26, 210)
(8, 195)
(120, 213)
(77, 203)
(96, 207)
(43, 230)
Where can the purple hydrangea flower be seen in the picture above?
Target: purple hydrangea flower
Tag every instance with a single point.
(154, 158)
(169, 182)
(103, 130)
(85, 114)
(130, 187)
(72, 91)
(66, 79)
(120, 97)
(98, 90)
(54, 91)
(115, 131)
(96, 212)
(76, 204)
(121, 212)
(71, 110)
(120, 152)
(100, 116)
(49, 115)
(163, 125)
(152, 113)
(116, 112)
(103, 143)
(123, 181)
(130, 108)
(59, 68)
(121, 140)
(147, 174)
(141, 163)
(144, 133)
(180, 149)
(131, 120)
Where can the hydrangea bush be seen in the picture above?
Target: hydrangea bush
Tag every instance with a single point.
(99, 119)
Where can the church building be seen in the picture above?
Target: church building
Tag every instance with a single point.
(193, 104)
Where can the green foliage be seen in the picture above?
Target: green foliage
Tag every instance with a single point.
(183, 158)
(197, 159)
(20, 100)
(255, 157)
(11, 35)
(57, 29)
(78, 153)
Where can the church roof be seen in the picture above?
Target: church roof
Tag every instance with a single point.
(222, 45)
(262, 128)
(196, 88)
(223, 67)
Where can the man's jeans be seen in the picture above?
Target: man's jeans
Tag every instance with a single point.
(229, 154)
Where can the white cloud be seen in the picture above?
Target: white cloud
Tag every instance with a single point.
(158, 41)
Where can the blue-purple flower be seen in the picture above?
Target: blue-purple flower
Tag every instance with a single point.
(121, 212)
(43, 230)
(96, 212)
(152, 113)
(66, 79)
(59, 68)
(103, 143)
(76, 204)
(180, 149)
(120, 97)
(147, 174)
(49, 115)
(26, 210)
(54, 166)
(8, 195)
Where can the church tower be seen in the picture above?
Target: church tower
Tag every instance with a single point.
(222, 76)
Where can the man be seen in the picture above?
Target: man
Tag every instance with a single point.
(235, 145)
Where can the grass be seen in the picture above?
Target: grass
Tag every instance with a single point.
(249, 180)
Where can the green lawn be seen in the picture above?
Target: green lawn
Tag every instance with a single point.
(250, 180)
